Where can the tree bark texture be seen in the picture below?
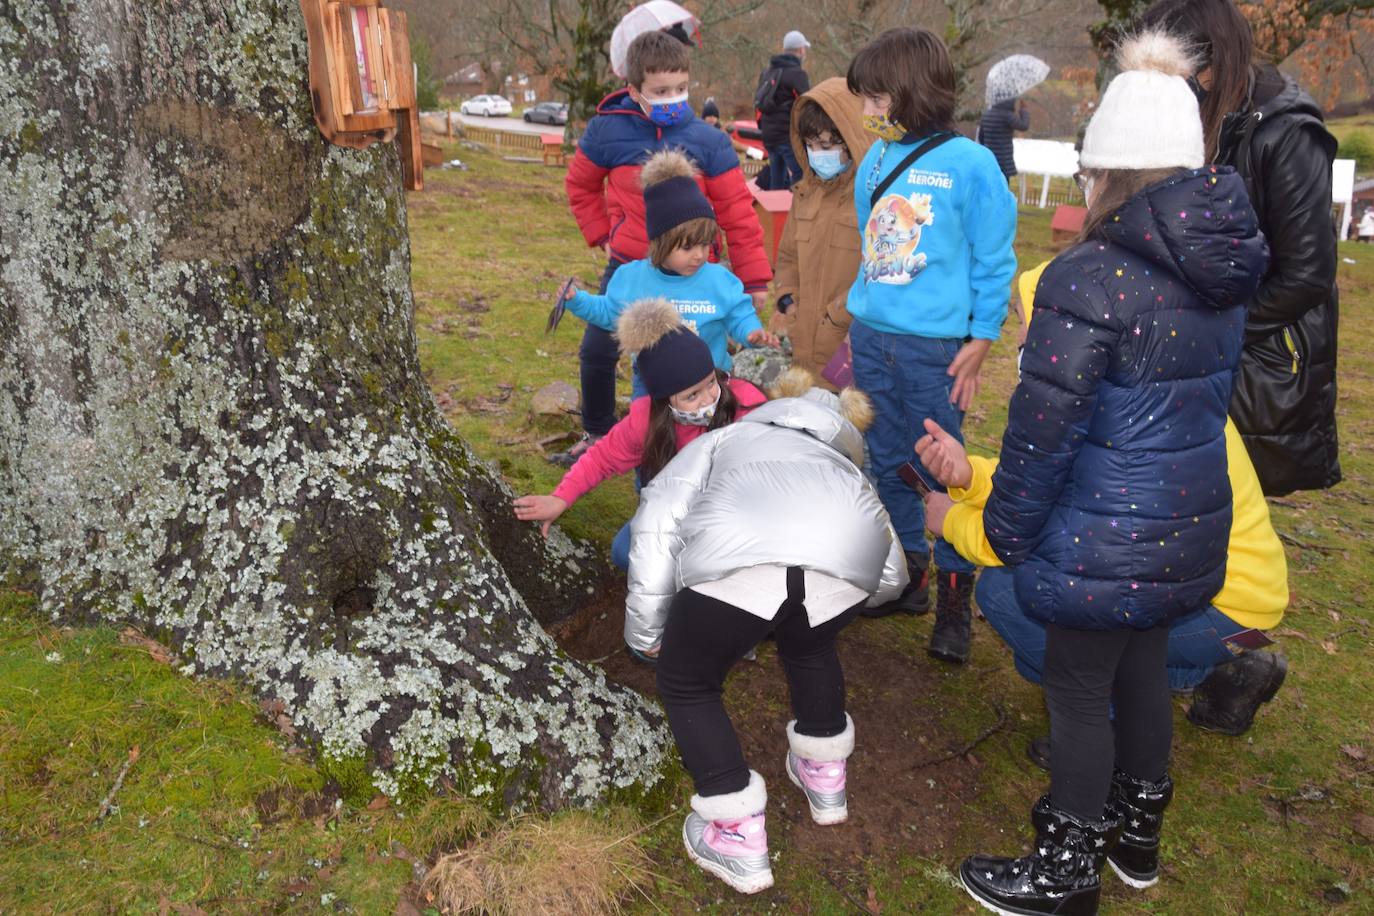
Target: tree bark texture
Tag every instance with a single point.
(213, 422)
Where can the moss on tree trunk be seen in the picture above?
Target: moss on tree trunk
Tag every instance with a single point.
(214, 422)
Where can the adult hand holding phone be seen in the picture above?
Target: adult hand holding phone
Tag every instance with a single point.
(944, 456)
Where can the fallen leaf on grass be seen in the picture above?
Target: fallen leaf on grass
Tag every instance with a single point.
(1329, 646)
(297, 886)
(1364, 826)
(872, 904)
(378, 803)
(275, 711)
(1354, 751)
(159, 653)
(487, 405)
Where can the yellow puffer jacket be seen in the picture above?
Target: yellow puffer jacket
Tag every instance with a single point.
(1255, 593)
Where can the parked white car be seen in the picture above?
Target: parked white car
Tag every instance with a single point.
(489, 106)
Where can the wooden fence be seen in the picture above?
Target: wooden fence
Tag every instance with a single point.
(533, 144)
(504, 139)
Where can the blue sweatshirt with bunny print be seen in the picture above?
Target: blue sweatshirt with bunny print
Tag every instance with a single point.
(712, 302)
(937, 259)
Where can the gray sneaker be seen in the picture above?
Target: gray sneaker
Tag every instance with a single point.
(823, 782)
(735, 851)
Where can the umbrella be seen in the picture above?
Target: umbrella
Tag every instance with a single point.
(653, 16)
(1015, 76)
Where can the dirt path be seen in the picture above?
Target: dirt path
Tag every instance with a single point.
(895, 803)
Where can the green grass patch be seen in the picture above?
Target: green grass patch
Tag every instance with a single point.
(218, 811)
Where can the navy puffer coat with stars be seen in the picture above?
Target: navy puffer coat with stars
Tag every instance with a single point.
(1111, 497)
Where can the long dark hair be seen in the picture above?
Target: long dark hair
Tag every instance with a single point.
(1220, 35)
(660, 444)
(913, 67)
(1113, 188)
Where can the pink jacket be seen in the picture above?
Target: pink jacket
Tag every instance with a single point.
(622, 449)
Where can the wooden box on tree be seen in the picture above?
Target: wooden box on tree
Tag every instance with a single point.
(362, 80)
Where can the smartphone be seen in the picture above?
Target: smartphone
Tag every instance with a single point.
(919, 479)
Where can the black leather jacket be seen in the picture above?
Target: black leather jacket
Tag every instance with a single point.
(1285, 397)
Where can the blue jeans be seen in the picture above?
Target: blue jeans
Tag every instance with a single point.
(905, 377)
(783, 170)
(1197, 643)
(620, 547)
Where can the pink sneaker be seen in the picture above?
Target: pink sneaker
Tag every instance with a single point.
(728, 842)
(817, 767)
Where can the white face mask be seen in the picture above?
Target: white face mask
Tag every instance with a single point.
(702, 416)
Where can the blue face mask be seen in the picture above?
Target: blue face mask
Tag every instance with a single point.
(670, 112)
(826, 163)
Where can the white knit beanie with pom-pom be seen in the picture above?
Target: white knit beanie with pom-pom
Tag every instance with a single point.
(1148, 117)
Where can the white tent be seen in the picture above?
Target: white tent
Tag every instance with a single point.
(1050, 158)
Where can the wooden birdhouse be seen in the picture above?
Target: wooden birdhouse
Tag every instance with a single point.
(362, 81)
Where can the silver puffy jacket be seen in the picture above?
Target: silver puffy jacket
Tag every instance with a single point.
(778, 487)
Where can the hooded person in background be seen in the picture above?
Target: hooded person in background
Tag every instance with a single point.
(818, 257)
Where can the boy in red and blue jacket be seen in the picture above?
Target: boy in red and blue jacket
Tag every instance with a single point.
(607, 201)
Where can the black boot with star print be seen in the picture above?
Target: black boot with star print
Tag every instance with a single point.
(1062, 874)
(1141, 804)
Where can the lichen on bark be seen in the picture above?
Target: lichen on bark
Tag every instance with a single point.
(214, 422)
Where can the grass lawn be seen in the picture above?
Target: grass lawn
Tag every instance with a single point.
(219, 813)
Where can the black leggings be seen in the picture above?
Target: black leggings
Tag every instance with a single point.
(702, 641)
(597, 358)
(1087, 674)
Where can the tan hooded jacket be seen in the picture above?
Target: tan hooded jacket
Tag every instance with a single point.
(818, 257)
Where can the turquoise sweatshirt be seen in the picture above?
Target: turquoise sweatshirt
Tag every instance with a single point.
(937, 257)
(712, 302)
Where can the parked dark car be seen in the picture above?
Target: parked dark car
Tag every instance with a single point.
(548, 113)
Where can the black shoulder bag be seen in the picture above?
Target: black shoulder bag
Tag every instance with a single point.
(930, 144)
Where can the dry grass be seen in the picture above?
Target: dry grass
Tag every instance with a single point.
(572, 864)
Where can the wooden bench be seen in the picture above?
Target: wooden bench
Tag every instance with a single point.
(553, 149)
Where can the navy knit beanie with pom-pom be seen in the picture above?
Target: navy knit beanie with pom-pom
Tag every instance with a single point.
(671, 193)
(670, 358)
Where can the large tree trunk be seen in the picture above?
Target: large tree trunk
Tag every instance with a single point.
(214, 423)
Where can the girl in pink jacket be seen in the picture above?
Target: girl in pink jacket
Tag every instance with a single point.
(687, 396)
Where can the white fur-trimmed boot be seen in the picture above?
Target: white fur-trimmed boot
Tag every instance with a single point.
(724, 834)
(817, 767)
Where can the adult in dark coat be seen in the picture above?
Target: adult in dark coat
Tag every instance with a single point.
(781, 83)
(996, 127)
(1258, 120)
